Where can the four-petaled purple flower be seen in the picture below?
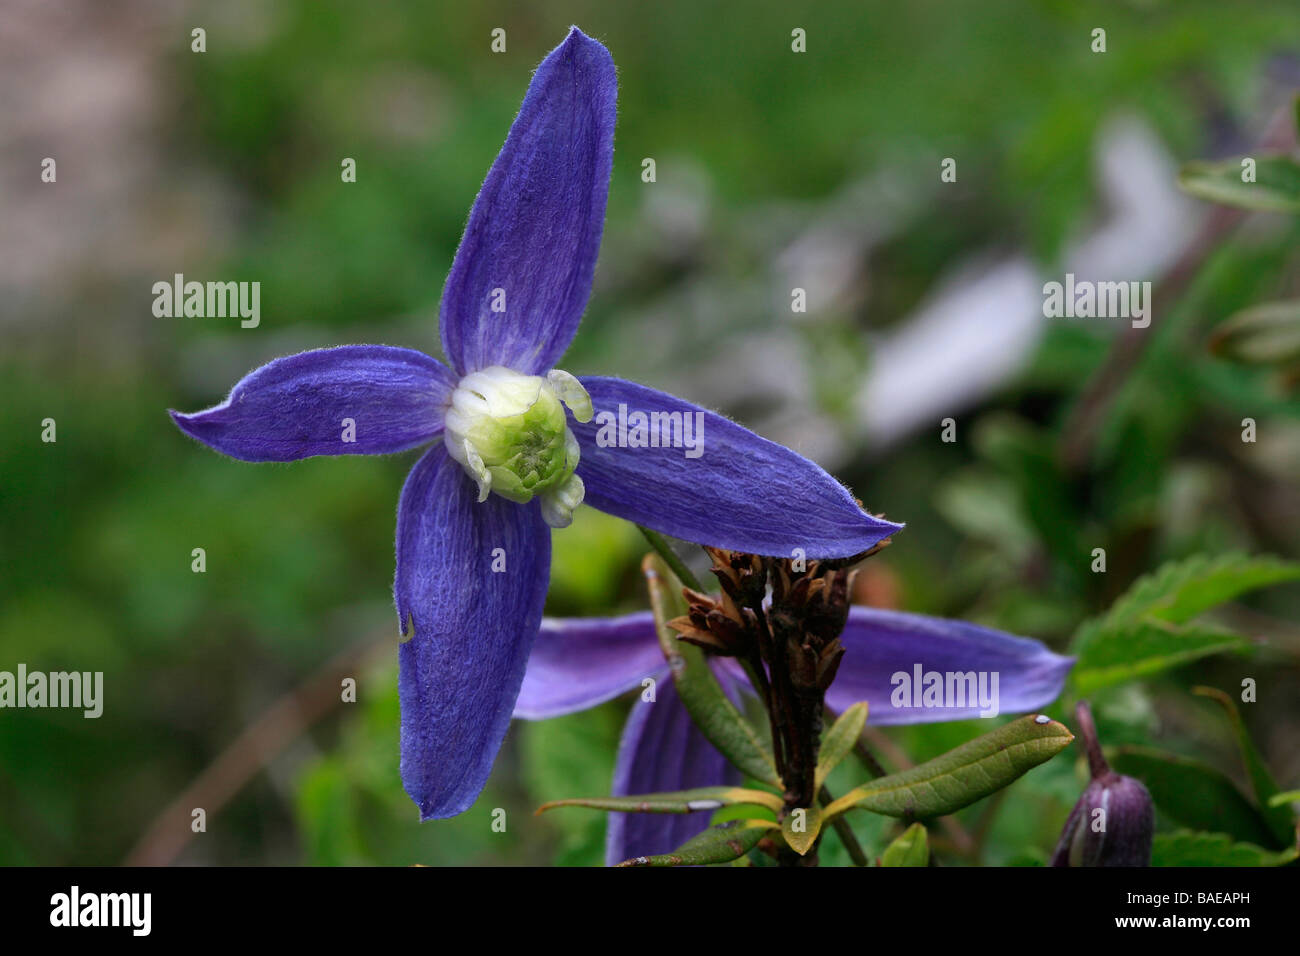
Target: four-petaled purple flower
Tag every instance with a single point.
(473, 546)
(578, 664)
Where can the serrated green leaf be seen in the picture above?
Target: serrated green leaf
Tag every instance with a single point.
(711, 710)
(1263, 786)
(1180, 590)
(680, 801)
(1264, 334)
(1194, 794)
(839, 740)
(1147, 630)
(719, 844)
(1276, 186)
(1186, 848)
(1108, 656)
(961, 776)
(910, 848)
(801, 827)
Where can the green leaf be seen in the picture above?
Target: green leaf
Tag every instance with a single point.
(1281, 799)
(1194, 794)
(1180, 590)
(680, 801)
(705, 700)
(961, 776)
(1265, 334)
(719, 844)
(1276, 187)
(801, 827)
(1264, 787)
(839, 740)
(1147, 631)
(1108, 656)
(1212, 849)
(910, 848)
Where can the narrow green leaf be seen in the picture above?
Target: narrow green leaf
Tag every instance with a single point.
(1264, 787)
(1265, 334)
(1180, 590)
(839, 740)
(961, 776)
(910, 848)
(1186, 848)
(801, 828)
(705, 700)
(680, 801)
(1107, 656)
(1281, 799)
(1194, 794)
(1276, 186)
(719, 844)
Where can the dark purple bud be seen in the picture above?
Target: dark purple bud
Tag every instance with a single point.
(1112, 823)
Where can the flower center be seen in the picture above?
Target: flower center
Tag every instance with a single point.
(510, 434)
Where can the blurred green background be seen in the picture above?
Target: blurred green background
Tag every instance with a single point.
(774, 170)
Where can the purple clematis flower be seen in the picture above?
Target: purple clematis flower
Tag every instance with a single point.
(506, 460)
(578, 664)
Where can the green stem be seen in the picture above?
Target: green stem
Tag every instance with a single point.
(845, 832)
(665, 551)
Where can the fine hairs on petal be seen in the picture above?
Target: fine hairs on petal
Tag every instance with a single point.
(506, 427)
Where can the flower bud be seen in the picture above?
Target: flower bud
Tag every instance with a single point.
(1112, 823)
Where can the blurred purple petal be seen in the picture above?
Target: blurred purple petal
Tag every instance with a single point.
(472, 627)
(297, 406)
(723, 486)
(661, 750)
(535, 228)
(581, 662)
(1017, 674)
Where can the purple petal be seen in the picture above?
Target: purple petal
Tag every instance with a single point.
(384, 399)
(581, 662)
(884, 647)
(534, 231)
(722, 486)
(661, 750)
(473, 627)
